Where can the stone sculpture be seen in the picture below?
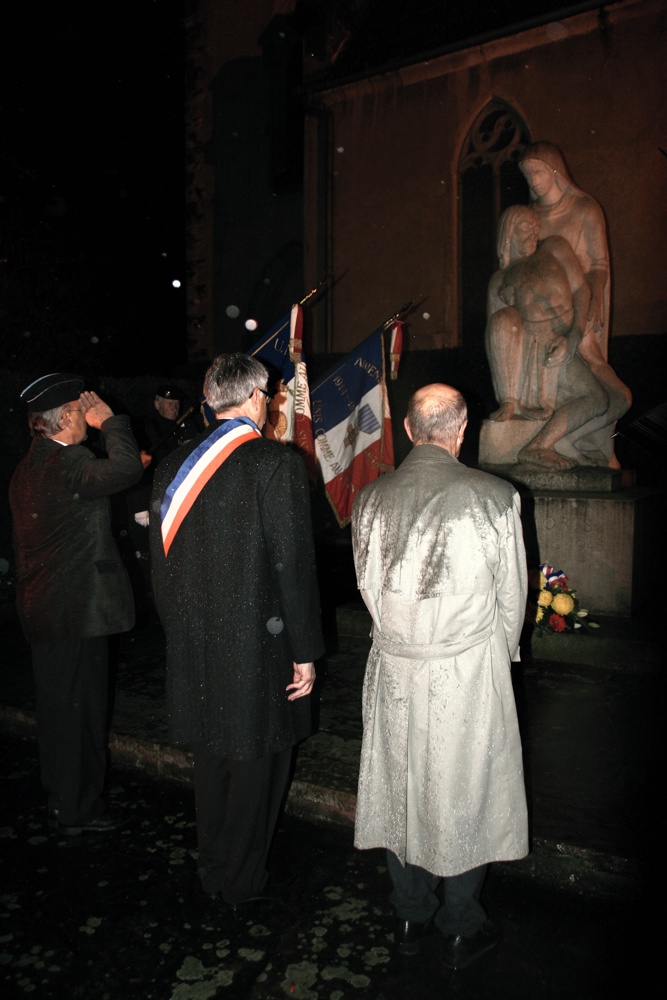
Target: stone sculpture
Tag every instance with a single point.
(548, 354)
(537, 307)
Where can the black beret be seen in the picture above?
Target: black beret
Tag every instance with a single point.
(169, 392)
(53, 390)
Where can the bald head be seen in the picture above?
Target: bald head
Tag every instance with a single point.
(437, 414)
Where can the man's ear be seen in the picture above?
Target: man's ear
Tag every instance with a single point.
(407, 428)
(460, 436)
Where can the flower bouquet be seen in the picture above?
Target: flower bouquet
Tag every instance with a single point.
(552, 605)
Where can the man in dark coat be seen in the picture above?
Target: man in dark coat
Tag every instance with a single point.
(235, 586)
(160, 433)
(72, 591)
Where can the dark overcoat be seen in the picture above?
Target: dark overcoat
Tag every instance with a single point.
(238, 598)
(71, 579)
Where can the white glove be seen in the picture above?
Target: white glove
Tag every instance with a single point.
(141, 517)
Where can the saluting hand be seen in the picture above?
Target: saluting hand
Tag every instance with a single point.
(95, 410)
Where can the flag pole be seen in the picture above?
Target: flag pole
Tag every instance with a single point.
(302, 302)
(406, 307)
(316, 289)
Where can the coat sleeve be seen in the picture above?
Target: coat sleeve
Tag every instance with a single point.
(92, 477)
(511, 577)
(286, 524)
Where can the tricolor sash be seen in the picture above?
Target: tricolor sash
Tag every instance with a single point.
(196, 471)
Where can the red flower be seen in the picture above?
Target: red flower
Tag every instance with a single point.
(557, 623)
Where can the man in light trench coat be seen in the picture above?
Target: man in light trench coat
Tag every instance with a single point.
(441, 566)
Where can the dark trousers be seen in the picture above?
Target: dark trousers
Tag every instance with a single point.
(238, 803)
(71, 686)
(452, 901)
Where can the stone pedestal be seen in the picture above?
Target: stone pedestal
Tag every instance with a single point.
(609, 541)
(604, 542)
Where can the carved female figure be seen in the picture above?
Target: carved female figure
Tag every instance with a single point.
(565, 210)
(536, 311)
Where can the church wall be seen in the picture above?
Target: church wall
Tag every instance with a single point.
(593, 85)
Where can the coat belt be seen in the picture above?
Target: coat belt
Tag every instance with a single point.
(430, 651)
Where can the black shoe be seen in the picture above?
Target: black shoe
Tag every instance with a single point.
(407, 935)
(460, 952)
(103, 824)
(274, 892)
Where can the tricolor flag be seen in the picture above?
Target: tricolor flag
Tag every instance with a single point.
(281, 350)
(352, 424)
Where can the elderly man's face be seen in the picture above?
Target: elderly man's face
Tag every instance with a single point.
(74, 421)
(167, 408)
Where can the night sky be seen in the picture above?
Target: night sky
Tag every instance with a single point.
(92, 213)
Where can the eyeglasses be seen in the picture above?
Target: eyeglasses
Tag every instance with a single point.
(74, 409)
(269, 395)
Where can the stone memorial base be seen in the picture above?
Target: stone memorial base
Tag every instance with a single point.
(607, 536)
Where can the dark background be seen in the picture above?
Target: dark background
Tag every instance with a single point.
(92, 227)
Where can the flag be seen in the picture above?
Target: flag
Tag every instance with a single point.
(289, 420)
(395, 348)
(352, 424)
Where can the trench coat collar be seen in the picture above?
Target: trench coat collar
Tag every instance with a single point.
(428, 453)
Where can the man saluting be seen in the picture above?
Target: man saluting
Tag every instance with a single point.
(73, 590)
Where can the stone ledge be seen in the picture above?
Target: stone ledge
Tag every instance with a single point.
(581, 479)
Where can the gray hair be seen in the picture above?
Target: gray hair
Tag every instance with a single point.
(46, 424)
(231, 379)
(436, 417)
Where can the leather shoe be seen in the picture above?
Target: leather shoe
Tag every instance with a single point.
(274, 891)
(102, 824)
(460, 952)
(407, 935)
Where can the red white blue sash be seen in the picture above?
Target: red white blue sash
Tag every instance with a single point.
(196, 471)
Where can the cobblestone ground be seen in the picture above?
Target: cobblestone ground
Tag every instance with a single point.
(120, 916)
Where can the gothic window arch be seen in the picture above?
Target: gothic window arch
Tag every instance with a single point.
(489, 181)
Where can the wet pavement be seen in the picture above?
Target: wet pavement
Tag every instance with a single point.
(121, 915)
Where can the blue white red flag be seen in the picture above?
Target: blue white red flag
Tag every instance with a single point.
(289, 420)
(352, 424)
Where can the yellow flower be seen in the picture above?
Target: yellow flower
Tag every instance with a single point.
(539, 614)
(544, 598)
(543, 581)
(563, 604)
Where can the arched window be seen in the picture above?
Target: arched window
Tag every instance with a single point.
(489, 182)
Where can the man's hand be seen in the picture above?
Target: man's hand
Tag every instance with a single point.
(94, 409)
(304, 678)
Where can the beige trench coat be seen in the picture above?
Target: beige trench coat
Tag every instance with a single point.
(441, 566)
